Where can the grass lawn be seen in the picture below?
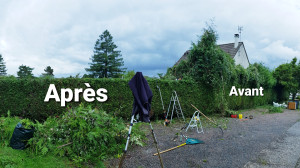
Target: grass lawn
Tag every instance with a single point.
(10, 158)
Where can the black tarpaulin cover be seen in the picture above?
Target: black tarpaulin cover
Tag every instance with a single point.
(142, 96)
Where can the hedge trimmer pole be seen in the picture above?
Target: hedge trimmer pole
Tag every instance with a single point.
(162, 103)
(167, 122)
(128, 137)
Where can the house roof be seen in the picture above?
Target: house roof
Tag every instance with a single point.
(228, 48)
(184, 57)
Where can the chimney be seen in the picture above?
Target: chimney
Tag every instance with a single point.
(236, 40)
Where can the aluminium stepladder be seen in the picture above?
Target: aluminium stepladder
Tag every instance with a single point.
(194, 122)
(175, 106)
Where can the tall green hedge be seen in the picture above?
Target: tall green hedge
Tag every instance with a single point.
(25, 97)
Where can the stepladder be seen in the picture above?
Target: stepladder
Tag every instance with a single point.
(175, 106)
(195, 123)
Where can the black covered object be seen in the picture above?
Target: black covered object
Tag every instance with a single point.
(142, 96)
(20, 137)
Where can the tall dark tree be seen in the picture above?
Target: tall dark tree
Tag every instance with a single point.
(107, 62)
(2, 66)
(25, 72)
(49, 71)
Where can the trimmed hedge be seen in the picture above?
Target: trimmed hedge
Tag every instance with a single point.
(25, 97)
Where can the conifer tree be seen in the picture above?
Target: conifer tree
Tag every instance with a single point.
(48, 71)
(2, 66)
(25, 72)
(107, 62)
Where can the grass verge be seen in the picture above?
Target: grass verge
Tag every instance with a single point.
(11, 158)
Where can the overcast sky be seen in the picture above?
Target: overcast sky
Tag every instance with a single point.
(152, 35)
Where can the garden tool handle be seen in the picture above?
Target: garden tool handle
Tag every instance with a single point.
(170, 149)
(205, 116)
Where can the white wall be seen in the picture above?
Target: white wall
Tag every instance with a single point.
(241, 57)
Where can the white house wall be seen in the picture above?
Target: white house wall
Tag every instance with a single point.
(241, 57)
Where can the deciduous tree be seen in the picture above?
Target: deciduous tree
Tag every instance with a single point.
(287, 75)
(209, 65)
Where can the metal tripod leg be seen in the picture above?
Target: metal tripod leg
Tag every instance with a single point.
(127, 143)
(128, 137)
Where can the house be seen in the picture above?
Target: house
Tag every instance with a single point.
(236, 50)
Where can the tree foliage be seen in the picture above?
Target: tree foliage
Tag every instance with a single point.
(128, 75)
(210, 65)
(207, 64)
(107, 62)
(242, 76)
(182, 70)
(48, 71)
(2, 66)
(215, 71)
(87, 76)
(265, 78)
(25, 72)
(288, 76)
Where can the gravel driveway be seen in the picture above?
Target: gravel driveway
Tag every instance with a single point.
(242, 142)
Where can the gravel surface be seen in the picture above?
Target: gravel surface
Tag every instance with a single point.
(282, 153)
(241, 142)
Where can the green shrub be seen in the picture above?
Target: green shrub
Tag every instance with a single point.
(83, 134)
(273, 109)
(27, 124)
(229, 112)
(7, 126)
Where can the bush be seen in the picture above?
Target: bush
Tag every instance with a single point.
(273, 109)
(83, 134)
(7, 126)
(229, 112)
(27, 124)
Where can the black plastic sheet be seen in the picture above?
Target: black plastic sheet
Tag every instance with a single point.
(20, 137)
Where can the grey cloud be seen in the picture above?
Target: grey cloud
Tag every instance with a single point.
(152, 35)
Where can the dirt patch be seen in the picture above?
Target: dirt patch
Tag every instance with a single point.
(242, 141)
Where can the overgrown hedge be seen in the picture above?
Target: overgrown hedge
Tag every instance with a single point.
(25, 97)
